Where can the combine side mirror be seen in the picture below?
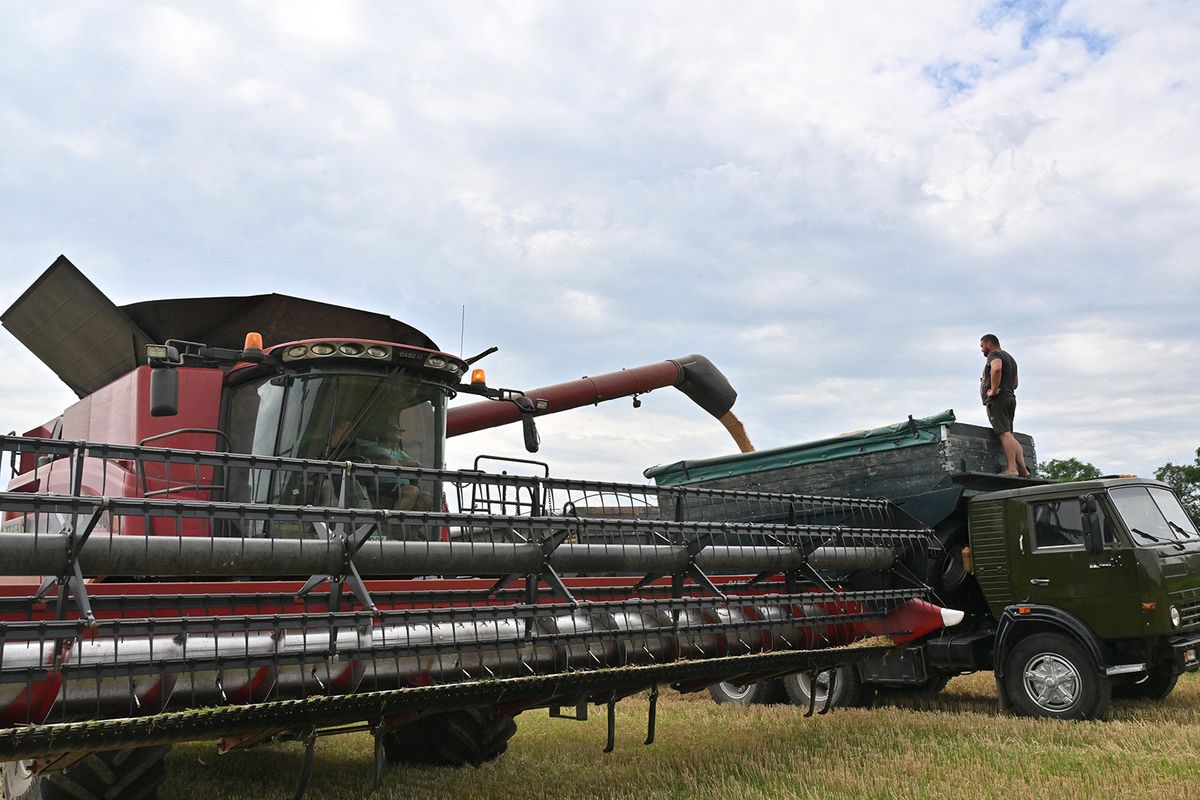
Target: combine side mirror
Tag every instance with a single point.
(528, 426)
(164, 392)
(164, 380)
(1093, 536)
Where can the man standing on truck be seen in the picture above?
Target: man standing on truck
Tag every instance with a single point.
(998, 391)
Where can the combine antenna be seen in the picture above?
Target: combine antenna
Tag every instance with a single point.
(462, 331)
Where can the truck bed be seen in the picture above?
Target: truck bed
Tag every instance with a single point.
(924, 465)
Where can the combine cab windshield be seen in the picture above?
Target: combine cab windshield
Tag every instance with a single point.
(391, 419)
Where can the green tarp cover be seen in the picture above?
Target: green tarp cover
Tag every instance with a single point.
(910, 433)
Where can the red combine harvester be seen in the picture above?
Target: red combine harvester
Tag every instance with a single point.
(245, 544)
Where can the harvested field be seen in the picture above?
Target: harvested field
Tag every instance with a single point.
(955, 745)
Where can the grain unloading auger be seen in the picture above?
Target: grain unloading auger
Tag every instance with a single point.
(297, 564)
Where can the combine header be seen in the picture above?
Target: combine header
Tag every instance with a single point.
(314, 570)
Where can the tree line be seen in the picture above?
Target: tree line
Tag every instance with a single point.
(1184, 478)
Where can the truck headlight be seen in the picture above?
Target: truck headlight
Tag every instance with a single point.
(1176, 620)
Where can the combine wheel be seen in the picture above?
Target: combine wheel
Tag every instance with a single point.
(1051, 675)
(746, 694)
(1157, 684)
(452, 739)
(848, 689)
(124, 774)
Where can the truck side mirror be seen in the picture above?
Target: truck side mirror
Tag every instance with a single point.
(1093, 536)
(528, 426)
(164, 392)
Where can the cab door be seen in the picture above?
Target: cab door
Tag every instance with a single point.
(1054, 568)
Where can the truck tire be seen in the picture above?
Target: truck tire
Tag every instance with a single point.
(1052, 675)
(747, 694)
(125, 774)
(1157, 684)
(848, 689)
(451, 739)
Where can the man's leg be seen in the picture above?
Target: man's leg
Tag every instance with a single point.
(1014, 455)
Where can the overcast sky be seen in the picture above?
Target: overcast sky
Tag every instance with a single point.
(831, 201)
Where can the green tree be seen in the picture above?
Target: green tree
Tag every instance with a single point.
(1185, 479)
(1064, 470)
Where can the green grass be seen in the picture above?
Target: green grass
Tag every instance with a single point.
(957, 745)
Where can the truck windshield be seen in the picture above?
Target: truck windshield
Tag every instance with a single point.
(1153, 514)
(392, 419)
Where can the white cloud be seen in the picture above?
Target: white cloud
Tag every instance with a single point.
(311, 25)
(168, 41)
(831, 204)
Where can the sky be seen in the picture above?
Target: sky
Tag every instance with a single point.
(830, 201)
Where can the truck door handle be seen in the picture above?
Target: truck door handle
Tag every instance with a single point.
(1040, 581)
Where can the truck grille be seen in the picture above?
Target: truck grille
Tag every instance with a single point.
(1188, 603)
(1190, 614)
(988, 549)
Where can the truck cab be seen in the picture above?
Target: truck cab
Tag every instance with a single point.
(1102, 576)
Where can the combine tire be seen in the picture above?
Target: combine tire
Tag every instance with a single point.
(1051, 675)
(452, 739)
(111, 775)
(848, 690)
(746, 694)
(1154, 685)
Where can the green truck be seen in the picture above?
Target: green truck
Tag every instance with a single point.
(1074, 592)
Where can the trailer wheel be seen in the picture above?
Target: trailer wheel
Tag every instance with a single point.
(848, 689)
(1051, 675)
(128, 774)
(747, 694)
(451, 739)
(1157, 684)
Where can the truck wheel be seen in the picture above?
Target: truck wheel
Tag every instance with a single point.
(1051, 675)
(746, 694)
(1157, 684)
(848, 691)
(452, 739)
(128, 774)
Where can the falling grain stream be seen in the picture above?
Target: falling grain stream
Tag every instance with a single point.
(737, 431)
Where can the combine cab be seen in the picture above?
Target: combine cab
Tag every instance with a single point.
(297, 562)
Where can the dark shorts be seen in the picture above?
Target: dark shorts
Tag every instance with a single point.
(1000, 411)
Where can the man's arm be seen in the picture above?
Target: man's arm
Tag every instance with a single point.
(997, 365)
